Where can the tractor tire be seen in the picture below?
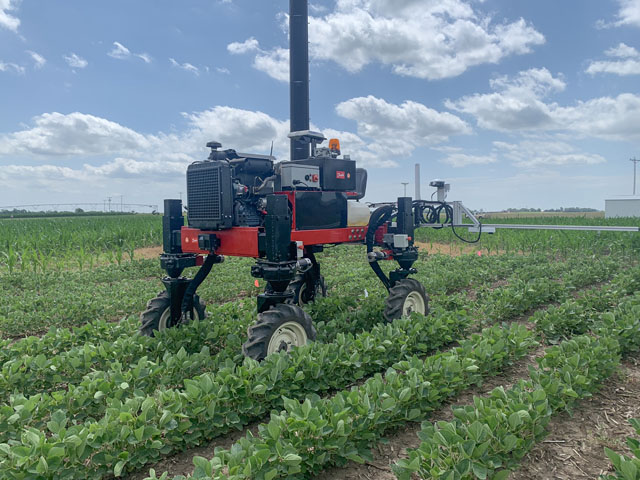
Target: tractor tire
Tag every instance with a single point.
(406, 297)
(282, 327)
(156, 316)
(301, 296)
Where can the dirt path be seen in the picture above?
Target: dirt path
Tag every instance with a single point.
(574, 448)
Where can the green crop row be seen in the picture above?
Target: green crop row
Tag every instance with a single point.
(213, 404)
(304, 438)
(626, 468)
(33, 303)
(55, 237)
(35, 365)
(488, 438)
(94, 393)
(249, 458)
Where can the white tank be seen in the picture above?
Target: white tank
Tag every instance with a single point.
(358, 214)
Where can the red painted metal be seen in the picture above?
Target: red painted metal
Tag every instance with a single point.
(235, 242)
(243, 241)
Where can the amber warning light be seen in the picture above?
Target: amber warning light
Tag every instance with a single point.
(334, 145)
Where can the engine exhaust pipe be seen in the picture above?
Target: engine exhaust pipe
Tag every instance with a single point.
(299, 74)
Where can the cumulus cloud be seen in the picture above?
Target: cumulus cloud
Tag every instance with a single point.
(7, 19)
(627, 62)
(274, 63)
(75, 61)
(56, 134)
(120, 52)
(187, 67)
(545, 153)
(50, 147)
(11, 67)
(629, 13)
(516, 105)
(400, 129)
(519, 105)
(249, 45)
(38, 60)
(419, 38)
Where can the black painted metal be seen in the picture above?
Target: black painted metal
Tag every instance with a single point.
(172, 222)
(320, 210)
(299, 74)
(405, 217)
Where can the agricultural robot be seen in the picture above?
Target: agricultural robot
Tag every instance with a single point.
(283, 214)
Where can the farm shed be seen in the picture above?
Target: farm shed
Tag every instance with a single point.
(622, 207)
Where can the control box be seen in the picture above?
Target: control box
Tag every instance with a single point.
(296, 176)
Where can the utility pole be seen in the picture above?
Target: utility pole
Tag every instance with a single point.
(109, 204)
(180, 196)
(635, 164)
(405, 187)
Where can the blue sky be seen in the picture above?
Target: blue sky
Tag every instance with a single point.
(515, 103)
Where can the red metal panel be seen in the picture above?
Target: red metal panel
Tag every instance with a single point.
(235, 242)
(243, 241)
(335, 235)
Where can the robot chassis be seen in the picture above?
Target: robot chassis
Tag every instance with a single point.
(282, 214)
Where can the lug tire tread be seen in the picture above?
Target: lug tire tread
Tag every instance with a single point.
(397, 295)
(268, 322)
(150, 318)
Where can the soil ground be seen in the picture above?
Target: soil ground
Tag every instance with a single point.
(147, 253)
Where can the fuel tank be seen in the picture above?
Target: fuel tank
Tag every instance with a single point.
(358, 214)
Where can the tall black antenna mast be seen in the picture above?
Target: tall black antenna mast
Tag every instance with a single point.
(299, 75)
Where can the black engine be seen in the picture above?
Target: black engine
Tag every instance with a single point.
(229, 189)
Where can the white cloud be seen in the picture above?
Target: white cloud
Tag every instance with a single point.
(629, 13)
(463, 160)
(249, 45)
(119, 51)
(627, 62)
(11, 67)
(75, 134)
(39, 60)
(274, 63)
(187, 67)
(622, 51)
(420, 38)
(75, 61)
(397, 130)
(145, 57)
(545, 153)
(518, 105)
(223, 70)
(7, 20)
(48, 150)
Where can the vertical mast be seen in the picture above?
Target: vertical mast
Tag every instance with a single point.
(299, 74)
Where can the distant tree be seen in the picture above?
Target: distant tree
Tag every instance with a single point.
(79, 210)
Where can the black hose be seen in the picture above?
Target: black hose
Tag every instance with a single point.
(378, 218)
(429, 213)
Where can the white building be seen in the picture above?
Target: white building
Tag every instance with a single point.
(627, 206)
